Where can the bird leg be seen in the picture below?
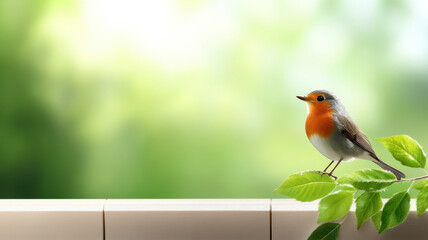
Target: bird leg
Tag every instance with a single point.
(325, 170)
(328, 166)
(331, 173)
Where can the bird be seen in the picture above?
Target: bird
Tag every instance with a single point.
(334, 133)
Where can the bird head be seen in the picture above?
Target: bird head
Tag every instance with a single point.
(320, 100)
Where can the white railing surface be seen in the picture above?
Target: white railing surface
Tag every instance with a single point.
(176, 219)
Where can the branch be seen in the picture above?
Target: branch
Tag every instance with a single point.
(411, 179)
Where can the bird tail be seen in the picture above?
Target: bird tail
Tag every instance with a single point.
(398, 174)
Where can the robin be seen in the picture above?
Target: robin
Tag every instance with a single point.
(335, 134)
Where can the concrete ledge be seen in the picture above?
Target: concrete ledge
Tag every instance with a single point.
(182, 219)
(296, 220)
(177, 219)
(51, 219)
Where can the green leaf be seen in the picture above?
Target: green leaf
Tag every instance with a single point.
(405, 149)
(368, 204)
(326, 231)
(306, 186)
(346, 187)
(395, 211)
(376, 220)
(419, 185)
(334, 206)
(368, 179)
(422, 201)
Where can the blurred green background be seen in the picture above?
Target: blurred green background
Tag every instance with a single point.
(196, 99)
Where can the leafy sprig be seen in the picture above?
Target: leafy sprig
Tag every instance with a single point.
(338, 196)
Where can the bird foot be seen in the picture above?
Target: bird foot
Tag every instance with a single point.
(329, 174)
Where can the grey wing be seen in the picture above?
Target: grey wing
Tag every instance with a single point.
(351, 131)
(355, 135)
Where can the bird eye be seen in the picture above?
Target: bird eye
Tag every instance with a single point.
(320, 98)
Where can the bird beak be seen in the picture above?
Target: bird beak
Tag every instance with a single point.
(303, 98)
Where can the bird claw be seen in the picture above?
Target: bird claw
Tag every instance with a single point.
(329, 174)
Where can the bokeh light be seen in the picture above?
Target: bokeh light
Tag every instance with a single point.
(196, 99)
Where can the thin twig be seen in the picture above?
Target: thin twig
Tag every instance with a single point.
(411, 179)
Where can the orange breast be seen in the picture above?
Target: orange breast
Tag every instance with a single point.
(319, 121)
